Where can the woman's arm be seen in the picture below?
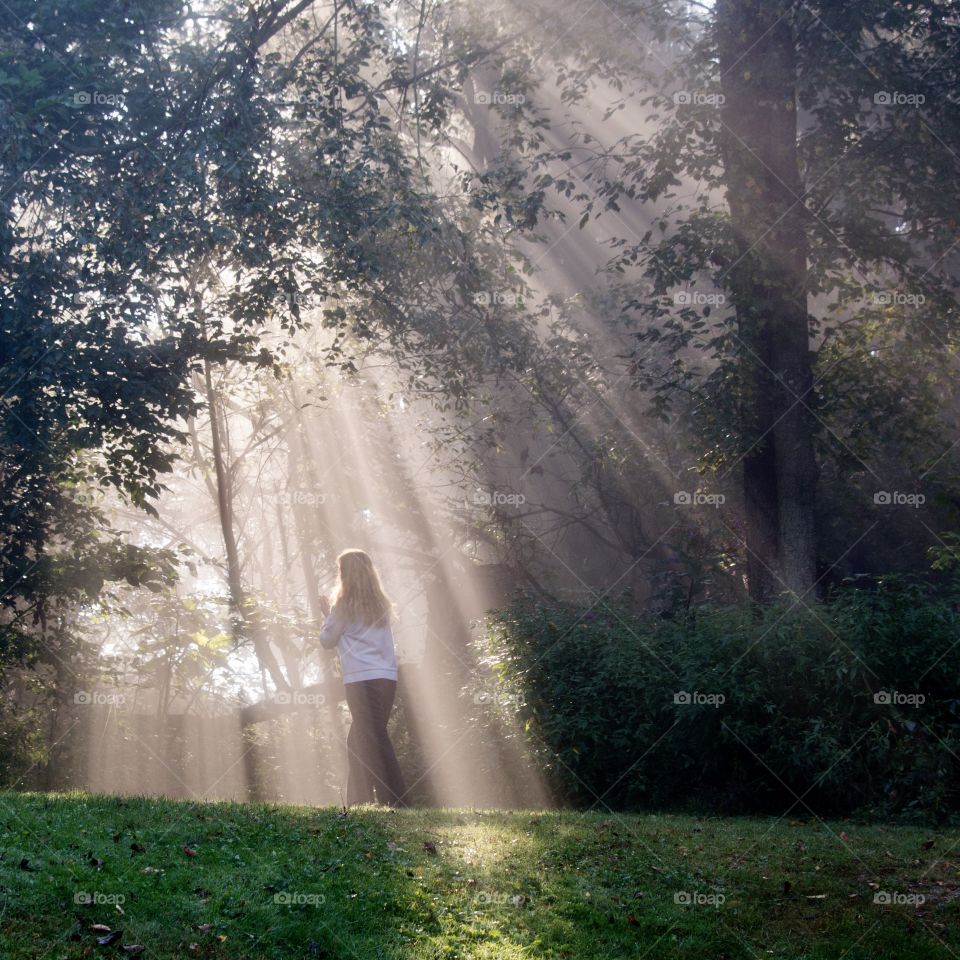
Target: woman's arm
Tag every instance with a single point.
(332, 630)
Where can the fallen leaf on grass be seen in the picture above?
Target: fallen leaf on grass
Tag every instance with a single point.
(133, 949)
(189, 851)
(110, 939)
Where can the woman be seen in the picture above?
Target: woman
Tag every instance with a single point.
(359, 624)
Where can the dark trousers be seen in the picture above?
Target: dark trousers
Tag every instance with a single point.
(372, 764)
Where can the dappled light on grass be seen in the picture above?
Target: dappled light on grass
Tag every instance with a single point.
(251, 880)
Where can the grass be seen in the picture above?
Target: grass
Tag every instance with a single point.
(227, 880)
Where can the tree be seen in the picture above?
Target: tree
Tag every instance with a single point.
(768, 286)
(767, 168)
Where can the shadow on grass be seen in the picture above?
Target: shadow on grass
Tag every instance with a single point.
(237, 881)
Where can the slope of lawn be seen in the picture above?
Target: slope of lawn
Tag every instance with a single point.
(94, 876)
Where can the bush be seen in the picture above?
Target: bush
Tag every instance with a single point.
(847, 707)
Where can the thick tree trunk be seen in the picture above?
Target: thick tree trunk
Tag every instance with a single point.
(768, 286)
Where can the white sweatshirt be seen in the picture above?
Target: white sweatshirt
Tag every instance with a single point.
(366, 653)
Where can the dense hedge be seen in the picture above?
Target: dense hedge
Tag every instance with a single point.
(848, 707)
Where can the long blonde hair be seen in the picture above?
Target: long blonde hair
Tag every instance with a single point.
(359, 596)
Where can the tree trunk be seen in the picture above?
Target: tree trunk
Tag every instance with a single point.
(768, 284)
(305, 527)
(243, 612)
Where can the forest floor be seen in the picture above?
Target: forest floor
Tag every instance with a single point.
(164, 879)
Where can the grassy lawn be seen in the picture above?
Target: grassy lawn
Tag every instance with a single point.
(183, 879)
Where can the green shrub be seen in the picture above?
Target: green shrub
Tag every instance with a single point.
(784, 709)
